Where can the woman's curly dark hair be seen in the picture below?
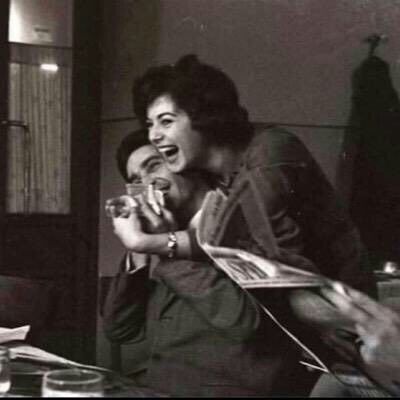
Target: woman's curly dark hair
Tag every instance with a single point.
(204, 92)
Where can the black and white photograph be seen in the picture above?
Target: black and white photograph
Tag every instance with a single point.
(200, 198)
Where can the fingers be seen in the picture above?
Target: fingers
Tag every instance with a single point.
(130, 231)
(361, 298)
(148, 212)
(129, 223)
(346, 305)
(342, 346)
(120, 206)
(153, 201)
(169, 218)
(376, 310)
(154, 217)
(154, 223)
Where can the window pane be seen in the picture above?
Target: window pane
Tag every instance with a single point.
(39, 150)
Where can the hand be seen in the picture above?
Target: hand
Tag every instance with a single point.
(130, 231)
(138, 231)
(377, 326)
(154, 222)
(119, 206)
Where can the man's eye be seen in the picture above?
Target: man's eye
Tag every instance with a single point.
(153, 166)
(135, 180)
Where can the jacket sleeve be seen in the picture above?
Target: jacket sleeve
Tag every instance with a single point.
(223, 304)
(273, 197)
(271, 194)
(126, 304)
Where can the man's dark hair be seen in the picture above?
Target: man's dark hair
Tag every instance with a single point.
(204, 92)
(127, 146)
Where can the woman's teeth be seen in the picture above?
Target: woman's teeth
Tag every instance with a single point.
(169, 151)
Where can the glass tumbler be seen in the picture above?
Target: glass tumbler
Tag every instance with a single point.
(5, 371)
(72, 383)
(154, 193)
(390, 267)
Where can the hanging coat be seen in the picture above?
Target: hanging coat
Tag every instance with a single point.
(375, 202)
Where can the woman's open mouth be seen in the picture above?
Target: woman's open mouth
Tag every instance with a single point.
(170, 153)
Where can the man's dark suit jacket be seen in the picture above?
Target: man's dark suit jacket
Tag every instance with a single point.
(203, 335)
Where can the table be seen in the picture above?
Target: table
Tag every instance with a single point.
(29, 384)
(27, 374)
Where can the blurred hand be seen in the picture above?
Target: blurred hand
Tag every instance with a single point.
(377, 326)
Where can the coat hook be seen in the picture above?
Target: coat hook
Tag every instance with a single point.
(374, 40)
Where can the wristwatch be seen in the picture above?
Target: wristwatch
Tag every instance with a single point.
(172, 245)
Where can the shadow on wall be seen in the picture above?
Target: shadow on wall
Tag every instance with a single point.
(130, 44)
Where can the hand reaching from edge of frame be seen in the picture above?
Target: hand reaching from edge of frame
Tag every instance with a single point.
(377, 326)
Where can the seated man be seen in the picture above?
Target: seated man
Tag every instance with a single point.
(203, 335)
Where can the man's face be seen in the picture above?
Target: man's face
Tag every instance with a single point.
(145, 164)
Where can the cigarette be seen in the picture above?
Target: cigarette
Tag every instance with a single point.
(153, 201)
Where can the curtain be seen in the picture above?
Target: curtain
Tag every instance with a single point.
(38, 178)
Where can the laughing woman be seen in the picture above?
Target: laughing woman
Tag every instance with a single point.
(194, 118)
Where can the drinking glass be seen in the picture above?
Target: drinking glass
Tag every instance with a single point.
(5, 373)
(390, 267)
(72, 383)
(154, 193)
(159, 184)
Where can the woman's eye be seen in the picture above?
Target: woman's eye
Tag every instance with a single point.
(166, 122)
(149, 124)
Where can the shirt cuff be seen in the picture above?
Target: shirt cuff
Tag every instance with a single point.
(136, 261)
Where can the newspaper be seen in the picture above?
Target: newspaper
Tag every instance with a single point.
(251, 271)
(12, 334)
(248, 270)
(30, 353)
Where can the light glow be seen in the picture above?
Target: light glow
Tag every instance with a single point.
(49, 67)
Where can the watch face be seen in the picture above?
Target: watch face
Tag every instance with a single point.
(172, 244)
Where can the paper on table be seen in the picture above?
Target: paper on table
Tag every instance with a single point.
(11, 334)
(31, 353)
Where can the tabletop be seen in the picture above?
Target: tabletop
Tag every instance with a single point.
(27, 375)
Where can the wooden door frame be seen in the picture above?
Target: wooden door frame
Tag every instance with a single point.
(4, 57)
(85, 149)
(82, 222)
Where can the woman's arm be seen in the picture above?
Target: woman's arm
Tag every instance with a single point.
(146, 232)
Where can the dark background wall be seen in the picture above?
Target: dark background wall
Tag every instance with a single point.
(291, 59)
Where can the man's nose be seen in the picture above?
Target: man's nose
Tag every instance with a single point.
(155, 135)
